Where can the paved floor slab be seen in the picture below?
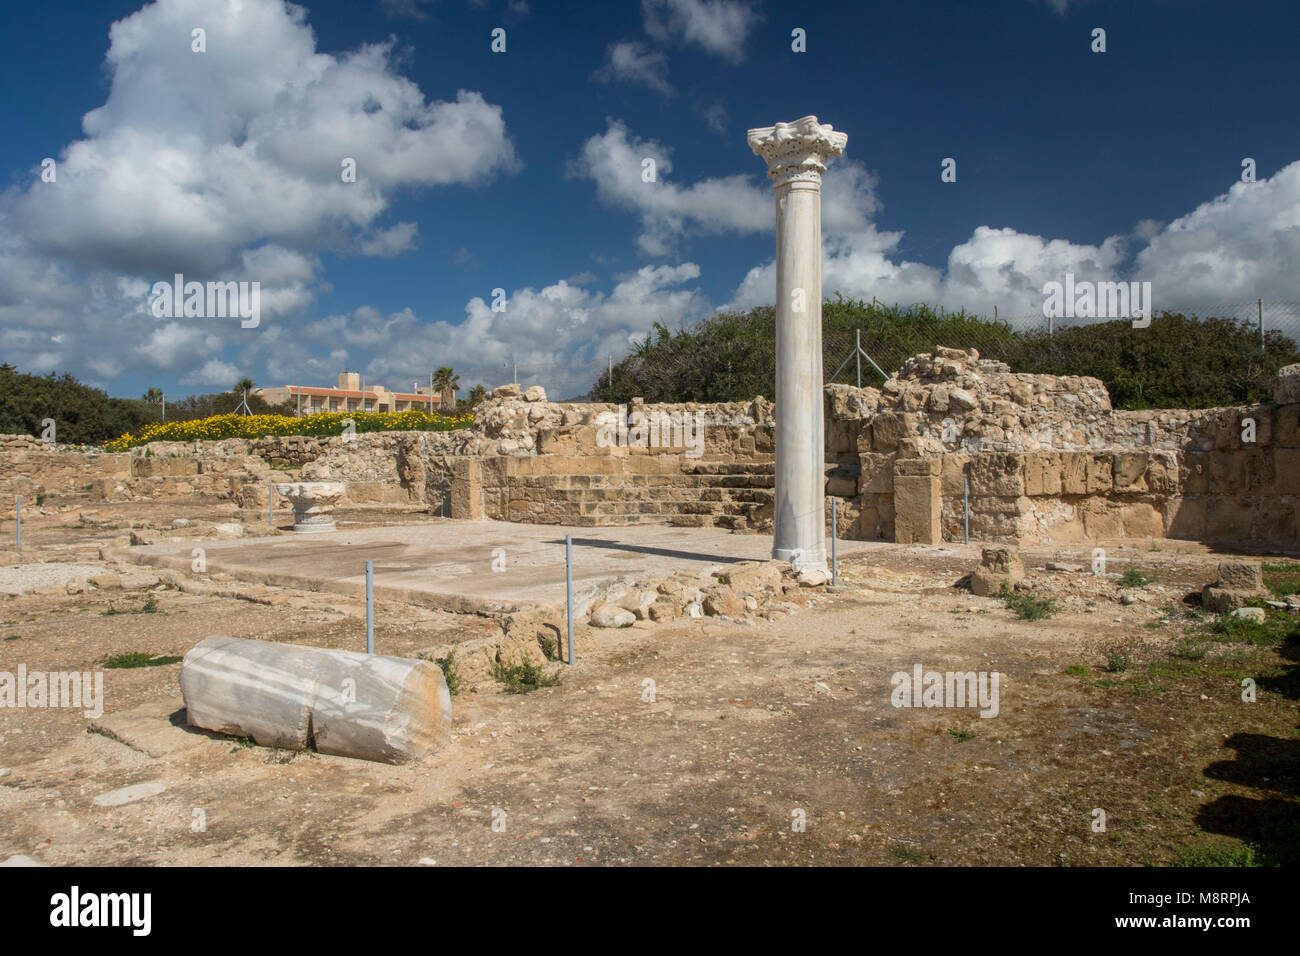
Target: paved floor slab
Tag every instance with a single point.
(468, 566)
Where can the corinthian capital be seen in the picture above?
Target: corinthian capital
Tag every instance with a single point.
(798, 151)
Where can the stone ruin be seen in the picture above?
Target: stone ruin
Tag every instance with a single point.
(1038, 458)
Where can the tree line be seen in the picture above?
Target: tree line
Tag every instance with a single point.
(1176, 362)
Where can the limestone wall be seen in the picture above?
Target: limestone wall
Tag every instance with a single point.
(1042, 458)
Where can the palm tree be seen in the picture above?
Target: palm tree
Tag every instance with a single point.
(244, 385)
(476, 395)
(153, 397)
(446, 381)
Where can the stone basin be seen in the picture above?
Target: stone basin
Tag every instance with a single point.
(313, 503)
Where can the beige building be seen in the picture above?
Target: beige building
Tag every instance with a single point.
(348, 396)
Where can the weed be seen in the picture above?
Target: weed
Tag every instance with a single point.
(522, 678)
(450, 672)
(1078, 670)
(1026, 606)
(1117, 660)
(1133, 578)
(962, 735)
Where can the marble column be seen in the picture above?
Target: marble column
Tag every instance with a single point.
(796, 155)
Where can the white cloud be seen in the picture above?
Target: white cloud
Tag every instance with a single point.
(214, 374)
(1241, 245)
(633, 62)
(718, 26)
(741, 203)
(390, 242)
(560, 335)
(222, 165)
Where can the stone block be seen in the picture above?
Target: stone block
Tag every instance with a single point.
(918, 507)
(345, 703)
(999, 567)
(877, 474)
(1100, 476)
(953, 473)
(1042, 474)
(1129, 470)
(890, 428)
(1074, 473)
(997, 474)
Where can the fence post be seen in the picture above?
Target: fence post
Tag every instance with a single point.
(370, 607)
(568, 590)
(857, 353)
(835, 523)
(1261, 322)
(965, 507)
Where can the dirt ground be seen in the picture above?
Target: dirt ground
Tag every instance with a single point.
(697, 742)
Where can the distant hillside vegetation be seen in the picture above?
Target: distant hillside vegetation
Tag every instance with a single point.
(89, 416)
(1178, 362)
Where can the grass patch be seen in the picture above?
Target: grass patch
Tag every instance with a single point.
(1278, 627)
(1190, 649)
(1133, 578)
(1078, 670)
(134, 659)
(962, 735)
(1216, 854)
(1282, 577)
(1026, 606)
(450, 672)
(523, 678)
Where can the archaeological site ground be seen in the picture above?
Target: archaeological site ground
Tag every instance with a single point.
(1129, 579)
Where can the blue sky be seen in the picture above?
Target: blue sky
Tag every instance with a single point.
(522, 171)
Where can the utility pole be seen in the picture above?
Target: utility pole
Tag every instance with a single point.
(162, 400)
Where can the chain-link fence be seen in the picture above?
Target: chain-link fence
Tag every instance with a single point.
(1194, 357)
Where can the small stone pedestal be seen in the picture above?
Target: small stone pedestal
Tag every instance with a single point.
(313, 503)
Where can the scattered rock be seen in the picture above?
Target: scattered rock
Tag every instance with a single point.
(722, 600)
(180, 522)
(506, 391)
(962, 399)
(137, 540)
(1126, 598)
(21, 859)
(812, 578)
(1255, 614)
(1064, 566)
(107, 582)
(535, 393)
(694, 609)
(611, 615)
